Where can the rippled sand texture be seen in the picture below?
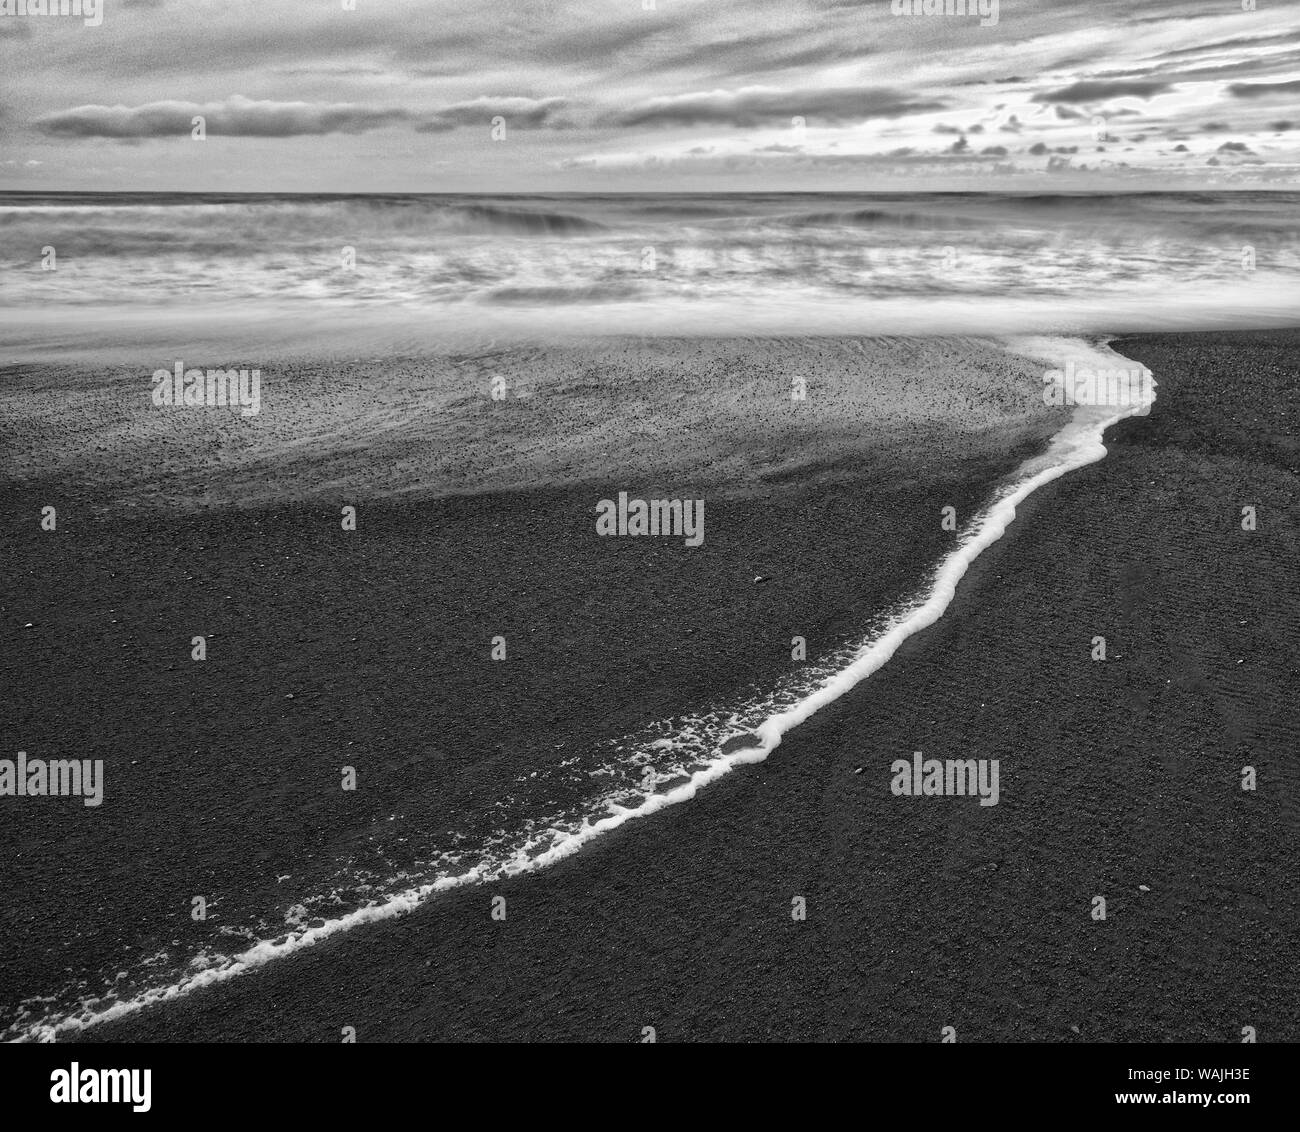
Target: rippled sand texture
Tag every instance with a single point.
(625, 410)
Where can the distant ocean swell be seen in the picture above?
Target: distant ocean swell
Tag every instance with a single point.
(666, 763)
(426, 250)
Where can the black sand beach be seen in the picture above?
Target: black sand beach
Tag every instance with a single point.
(922, 913)
(372, 648)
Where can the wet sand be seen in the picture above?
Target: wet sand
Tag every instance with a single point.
(1118, 779)
(373, 648)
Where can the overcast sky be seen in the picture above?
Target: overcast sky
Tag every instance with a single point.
(605, 95)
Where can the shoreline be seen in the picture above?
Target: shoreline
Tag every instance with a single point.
(1076, 445)
(371, 648)
(685, 887)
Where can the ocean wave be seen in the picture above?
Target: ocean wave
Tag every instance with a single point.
(517, 221)
(504, 250)
(881, 218)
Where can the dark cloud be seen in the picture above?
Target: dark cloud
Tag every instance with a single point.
(1098, 90)
(1261, 90)
(1240, 41)
(759, 106)
(235, 117)
(522, 113)
(1242, 67)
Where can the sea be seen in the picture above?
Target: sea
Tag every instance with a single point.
(106, 272)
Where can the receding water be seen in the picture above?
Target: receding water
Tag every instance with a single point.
(792, 262)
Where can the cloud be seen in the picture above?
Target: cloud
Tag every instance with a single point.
(235, 117)
(1253, 42)
(522, 113)
(1259, 90)
(1098, 90)
(728, 74)
(758, 106)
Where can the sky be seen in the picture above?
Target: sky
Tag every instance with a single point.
(649, 95)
